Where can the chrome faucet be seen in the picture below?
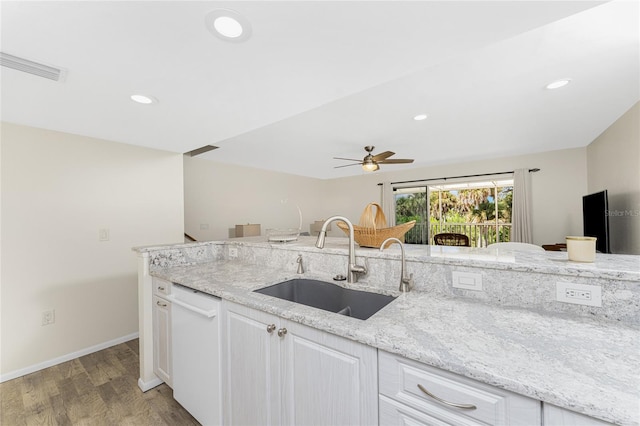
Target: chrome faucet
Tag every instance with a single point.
(352, 269)
(406, 284)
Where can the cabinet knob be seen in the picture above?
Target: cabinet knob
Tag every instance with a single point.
(282, 332)
(164, 305)
(160, 288)
(271, 328)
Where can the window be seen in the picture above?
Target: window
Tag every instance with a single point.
(479, 210)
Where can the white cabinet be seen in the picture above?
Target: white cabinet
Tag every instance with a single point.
(251, 367)
(162, 330)
(291, 374)
(556, 416)
(417, 394)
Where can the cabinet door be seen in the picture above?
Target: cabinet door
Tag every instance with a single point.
(251, 369)
(162, 339)
(327, 379)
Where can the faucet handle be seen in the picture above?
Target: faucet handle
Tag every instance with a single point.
(406, 284)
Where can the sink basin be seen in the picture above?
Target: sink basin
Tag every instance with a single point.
(329, 297)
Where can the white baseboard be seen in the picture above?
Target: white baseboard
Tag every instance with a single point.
(145, 386)
(65, 358)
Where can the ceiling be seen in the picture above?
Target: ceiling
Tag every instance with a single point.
(322, 79)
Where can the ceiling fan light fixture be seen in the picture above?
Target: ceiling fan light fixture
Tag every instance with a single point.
(370, 166)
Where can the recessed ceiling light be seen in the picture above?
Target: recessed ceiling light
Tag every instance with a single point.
(420, 117)
(228, 25)
(144, 99)
(558, 84)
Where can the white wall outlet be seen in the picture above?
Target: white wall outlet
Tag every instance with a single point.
(579, 294)
(103, 234)
(233, 252)
(467, 280)
(48, 316)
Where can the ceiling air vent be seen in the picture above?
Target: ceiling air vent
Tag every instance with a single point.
(30, 67)
(202, 150)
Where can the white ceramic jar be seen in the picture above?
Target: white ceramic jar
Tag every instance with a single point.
(581, 249)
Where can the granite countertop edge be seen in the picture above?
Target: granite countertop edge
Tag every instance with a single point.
(607, 266)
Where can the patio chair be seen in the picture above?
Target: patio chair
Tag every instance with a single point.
(451, 239)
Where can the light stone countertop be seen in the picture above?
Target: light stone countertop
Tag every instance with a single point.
(585, 365)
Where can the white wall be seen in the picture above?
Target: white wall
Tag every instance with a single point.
(613, 161)
(220, 196)
(224, 195)
(557, 189)
(58, 190)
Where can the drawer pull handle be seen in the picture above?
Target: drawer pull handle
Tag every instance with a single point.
(164, 305)
(271, 328)
(160, 288)
(451, 404)
(282, 332)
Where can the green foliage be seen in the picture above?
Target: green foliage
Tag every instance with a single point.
(457, 209)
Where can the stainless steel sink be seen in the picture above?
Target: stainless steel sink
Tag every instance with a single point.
(329, 297)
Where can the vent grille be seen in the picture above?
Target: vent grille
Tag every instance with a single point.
(202, 150)
(30, 67)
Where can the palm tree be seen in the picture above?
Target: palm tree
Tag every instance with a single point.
(441, 203)
(471, 199)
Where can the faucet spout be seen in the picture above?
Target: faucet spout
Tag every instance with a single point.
(353, 269)
(406, 283)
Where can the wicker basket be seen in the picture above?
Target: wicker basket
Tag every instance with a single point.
(372, 229)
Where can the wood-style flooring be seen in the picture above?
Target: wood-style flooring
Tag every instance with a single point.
(96, 389)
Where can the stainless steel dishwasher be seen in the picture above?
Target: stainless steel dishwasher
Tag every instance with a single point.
(195, 347)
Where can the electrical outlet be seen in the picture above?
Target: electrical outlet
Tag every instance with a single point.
(48, 317)
(579, 294)
(233, 252)
(467, 280)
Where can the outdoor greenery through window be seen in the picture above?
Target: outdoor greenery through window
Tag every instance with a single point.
(479, 210)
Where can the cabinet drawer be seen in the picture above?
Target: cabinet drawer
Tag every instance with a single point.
(400, 379)
(161, 287)
(394, 413)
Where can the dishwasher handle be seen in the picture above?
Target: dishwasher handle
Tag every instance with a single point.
(209, 314)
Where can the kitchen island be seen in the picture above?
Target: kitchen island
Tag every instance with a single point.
(512, 334)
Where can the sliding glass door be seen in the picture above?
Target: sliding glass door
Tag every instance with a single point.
(479, 210)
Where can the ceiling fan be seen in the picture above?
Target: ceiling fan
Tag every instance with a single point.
(371, 163)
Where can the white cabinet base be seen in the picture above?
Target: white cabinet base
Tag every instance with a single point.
(298, 377)
(556, 416)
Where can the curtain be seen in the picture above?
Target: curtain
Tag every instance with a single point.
(388, 203)
(521, 207)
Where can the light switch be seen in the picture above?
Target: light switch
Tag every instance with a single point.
(103, 234)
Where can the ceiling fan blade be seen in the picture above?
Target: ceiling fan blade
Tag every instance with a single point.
(348, 159)
(347, 165)
(383, 155)
(396, 161)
